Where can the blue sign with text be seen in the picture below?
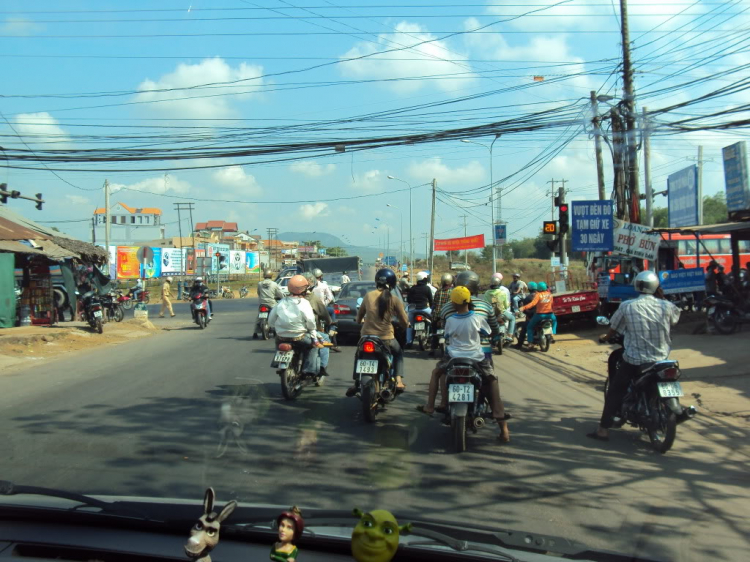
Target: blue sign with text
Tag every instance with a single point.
(682, 195)
(501, 233)
(682, 280)
(735, 177)
(592, 228)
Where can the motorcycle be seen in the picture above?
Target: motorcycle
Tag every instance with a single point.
(244, 291)
(373, 360)
(288, 364)
(261, 325)
(92, 311)
(438, 342)
(542, 335)
(652, 401)
(130, 301)
(113, 309)
(227, 293)
(199, 310)
(422, 324)
(468, 406)
(725, 314)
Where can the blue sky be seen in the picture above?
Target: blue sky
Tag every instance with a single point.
(108, 64)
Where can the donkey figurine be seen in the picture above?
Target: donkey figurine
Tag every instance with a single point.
(204, 535)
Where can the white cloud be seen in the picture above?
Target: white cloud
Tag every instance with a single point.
(311, 211)
(369, 181)
(78, 200)
(209, 71)
(40, 126)
(159, 184)
(235, 178)
(312, 169)
(19, 27)
(426, 59)
(425, 170)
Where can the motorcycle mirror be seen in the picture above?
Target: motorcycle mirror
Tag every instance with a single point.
(602, 320)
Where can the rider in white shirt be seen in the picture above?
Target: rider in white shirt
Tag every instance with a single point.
(345, 278)
(321, 289)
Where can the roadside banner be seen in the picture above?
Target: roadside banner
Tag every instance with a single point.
(152, 268)
(223, 249)
(630, 239)
(735, 177)
(171, 260)
(683, 197)
(190, 261)
(465, 243)
(592, 228)
(127, 262)
(682, 280)
(236, 261)
(252, 262)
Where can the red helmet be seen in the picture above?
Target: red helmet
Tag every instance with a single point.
(298, 285)
(295, 515)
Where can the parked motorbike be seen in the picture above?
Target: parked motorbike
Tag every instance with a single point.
(652, 401)
(112, 308)
(375, 376)
(422, 325)
(726, 315)
(244, 291)
(199, 310)
(261, 325)
(131, 301)
(227, 293)
(467, 404)
(288, 362)
(92, 311)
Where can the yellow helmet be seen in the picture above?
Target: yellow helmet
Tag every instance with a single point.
(460, 295)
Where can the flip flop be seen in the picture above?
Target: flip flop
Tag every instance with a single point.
(421, 409)
(594, 435)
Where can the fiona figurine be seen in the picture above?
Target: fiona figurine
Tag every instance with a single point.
(291, 525)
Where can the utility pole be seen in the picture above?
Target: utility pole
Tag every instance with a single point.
(179, 228)
(93, 231)
(432, 229)
(184, 207)
(598, 145)
(466, 252)
(700, 185)
(107, 216)
(630, 121)
(552, 197)
(618, 135)
(564, 236)
(647, 169)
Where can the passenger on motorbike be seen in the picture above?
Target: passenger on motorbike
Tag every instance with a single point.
(419, 300)
(321, 288)
(378, 309)
(442, 296)
(499, 297)
(432, 287)
(269, 292)
(293, 319)
(199, 287)
(542, 302)
(463, 332)
(529, 312)
(645, 323)
(518, 290)
(323, 324)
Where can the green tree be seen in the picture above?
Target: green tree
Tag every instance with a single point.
(715, 209)
(337, 252)
(661, 217)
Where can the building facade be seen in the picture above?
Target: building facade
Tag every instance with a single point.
(129, 226)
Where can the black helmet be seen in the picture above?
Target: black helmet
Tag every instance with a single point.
(468, 279)
(385, 278)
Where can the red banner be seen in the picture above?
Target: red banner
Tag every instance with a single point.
(466, 243)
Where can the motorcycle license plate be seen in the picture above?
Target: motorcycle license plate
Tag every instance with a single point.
(263, 315)
(419, 326)
(576, 309)
(367, 366)
(670, 389)
(460, 393)
(440, 332)
(283, 357)
(97, 314)
(547, 331)
(712, 310)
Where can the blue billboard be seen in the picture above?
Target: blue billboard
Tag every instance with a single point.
(735, 177)
(682, 280)
(683, 197)
(501, 234)
(592, 228)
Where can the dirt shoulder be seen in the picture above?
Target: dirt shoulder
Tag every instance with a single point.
(31, 345)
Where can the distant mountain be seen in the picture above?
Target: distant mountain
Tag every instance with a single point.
(368, 255)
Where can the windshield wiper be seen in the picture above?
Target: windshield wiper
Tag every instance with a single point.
(8, 488)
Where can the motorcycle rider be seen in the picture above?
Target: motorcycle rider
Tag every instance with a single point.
(419, 300)
(378, 309)
(542, 302)
(323, 324)
(442, 296)
(321, 288)
(345, 278)
(293, 319)
(645, 323)
(518, 290)
(269, 292)
(464, 331)
(432, 287)
(199, 287)
(499, 297)
(529, 312)
(137, 290)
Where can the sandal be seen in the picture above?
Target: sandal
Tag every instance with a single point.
(442, 409)
(596, 436)
(421, 408)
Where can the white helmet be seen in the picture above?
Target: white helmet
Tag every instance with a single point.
(646, 282)
(169, 279)
(422, 276)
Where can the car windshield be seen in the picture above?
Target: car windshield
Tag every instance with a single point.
(244, 140)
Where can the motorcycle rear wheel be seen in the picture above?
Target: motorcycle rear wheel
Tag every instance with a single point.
(723, 321)
(544, 343)
(458, 428)
(99, 327)
(421, 342)
(146, 299)
(264, 330)
(289, 379)
(662, 437)
(119, 314)
(202, 321)
(370, 400)
(128, 304)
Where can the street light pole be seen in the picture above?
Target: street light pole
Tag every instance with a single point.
(411, 237)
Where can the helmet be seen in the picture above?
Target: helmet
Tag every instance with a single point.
(317, 273)
(542, 286)
(385, 278)
(198, 280)
(310, 278)
(267, 274)
(446, 279)
(460, 295)
(468, 279)
(516, 275)
(532, 286)
(295, 515)
(646, 282)
(298, 285)
(403, 283)
(495, 280)
(422, 276)
(169, 279)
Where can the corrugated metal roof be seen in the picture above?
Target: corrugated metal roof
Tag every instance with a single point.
(18, 248)
(10, 230)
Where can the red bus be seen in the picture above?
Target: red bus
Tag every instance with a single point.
(693, 253)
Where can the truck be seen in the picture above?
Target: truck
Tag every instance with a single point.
(332, 266)
(575, 298)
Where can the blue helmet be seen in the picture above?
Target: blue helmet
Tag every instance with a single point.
(542, 286)
(532, 286)
(385, 278)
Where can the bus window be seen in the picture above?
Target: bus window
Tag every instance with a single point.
(712, 246)
(725, 246)
(682, 248)
(744, 246)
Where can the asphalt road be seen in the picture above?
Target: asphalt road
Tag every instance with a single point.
(145, 418)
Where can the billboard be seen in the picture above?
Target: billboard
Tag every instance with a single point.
(190, 261)
(592, 226)
(465, 243)
(683, 197)
(682, 281)
(224, 250)
(152, 269)
(127, 262)
(252, 262)
(236, 261)
(631, 240)
(501, 234)
(171, 260)
(735, 177)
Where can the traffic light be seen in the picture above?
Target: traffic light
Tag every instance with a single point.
(39, 201)
(564, 218)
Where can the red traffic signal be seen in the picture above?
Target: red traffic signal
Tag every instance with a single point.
(218, 254)
(564, 208)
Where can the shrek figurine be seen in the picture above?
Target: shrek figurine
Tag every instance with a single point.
(376, 536)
